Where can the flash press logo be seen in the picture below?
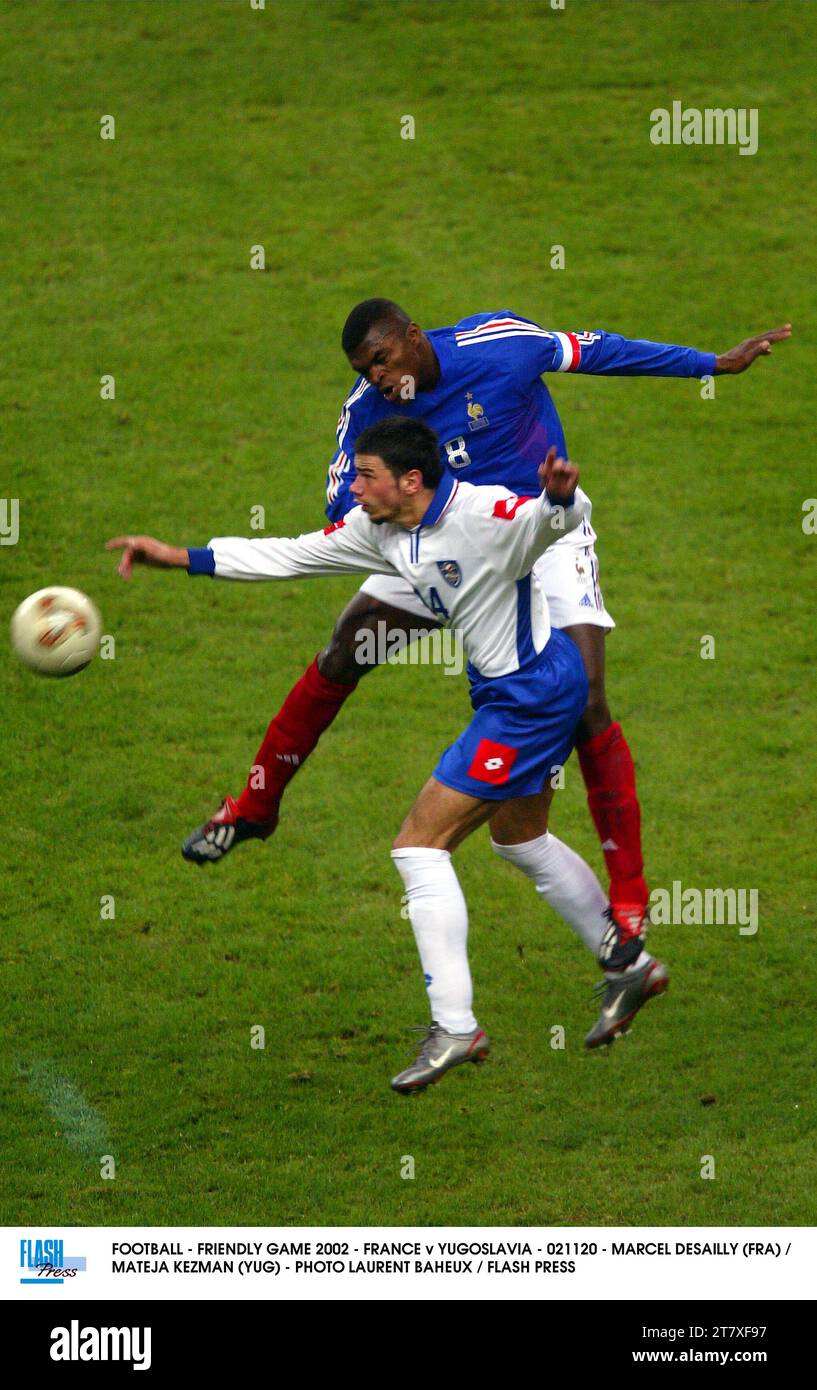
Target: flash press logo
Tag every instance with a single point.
(75, 1343)
(44, 1262)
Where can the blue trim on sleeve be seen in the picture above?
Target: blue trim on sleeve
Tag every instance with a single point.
(561, 501)
(201, 560)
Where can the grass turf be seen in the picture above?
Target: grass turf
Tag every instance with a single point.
(281, 127)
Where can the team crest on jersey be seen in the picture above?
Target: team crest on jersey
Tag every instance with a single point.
(451, 572)
(586, 338)
(477, 419)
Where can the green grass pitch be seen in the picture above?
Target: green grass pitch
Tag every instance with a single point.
(234, 128)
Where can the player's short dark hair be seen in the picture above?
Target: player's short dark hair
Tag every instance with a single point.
(403, 444)
(365, 316)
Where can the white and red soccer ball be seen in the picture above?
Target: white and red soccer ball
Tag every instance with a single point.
(56, 631)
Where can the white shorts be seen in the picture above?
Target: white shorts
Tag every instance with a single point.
(569, 575)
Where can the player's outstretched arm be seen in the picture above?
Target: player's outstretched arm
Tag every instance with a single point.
(609, 354)
(737, 359)
(144, 550)
(348, 547)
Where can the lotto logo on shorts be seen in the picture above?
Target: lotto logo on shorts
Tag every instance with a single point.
(492, 762)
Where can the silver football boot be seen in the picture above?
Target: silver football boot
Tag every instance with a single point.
(623, 998)
(439, 1052)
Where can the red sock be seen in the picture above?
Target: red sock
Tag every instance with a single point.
(308, 709)
(609, 775)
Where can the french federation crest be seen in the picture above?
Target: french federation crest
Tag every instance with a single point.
(477, 419)
(451, 572)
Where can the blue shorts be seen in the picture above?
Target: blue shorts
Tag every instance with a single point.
(523, 727)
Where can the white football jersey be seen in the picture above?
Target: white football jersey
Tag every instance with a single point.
(470, 561)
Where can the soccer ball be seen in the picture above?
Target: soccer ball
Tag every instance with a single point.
(56, 631)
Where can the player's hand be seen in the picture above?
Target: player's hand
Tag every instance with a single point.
(144, 550)
(558, 477)
(737, 359)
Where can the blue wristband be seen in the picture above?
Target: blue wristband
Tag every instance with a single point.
(200, 560)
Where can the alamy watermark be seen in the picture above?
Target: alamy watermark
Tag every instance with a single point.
(711, 126)
(442, 646)
(695, 907)
(9, 520)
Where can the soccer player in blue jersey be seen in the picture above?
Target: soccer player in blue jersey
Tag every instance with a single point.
(478, 385)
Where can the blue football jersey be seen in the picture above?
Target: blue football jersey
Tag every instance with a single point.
(492, 412)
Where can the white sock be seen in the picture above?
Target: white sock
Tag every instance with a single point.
(439, 919)
(565, 881)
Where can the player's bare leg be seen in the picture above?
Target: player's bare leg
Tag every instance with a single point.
(609, 775)
(343, 658)
(310, 707)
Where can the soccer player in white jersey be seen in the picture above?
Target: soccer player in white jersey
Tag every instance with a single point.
(528, 688)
